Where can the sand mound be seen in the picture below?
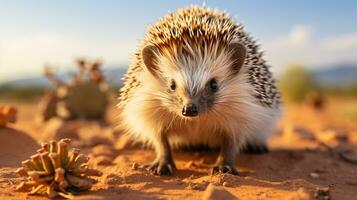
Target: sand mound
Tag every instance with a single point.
(15, 146)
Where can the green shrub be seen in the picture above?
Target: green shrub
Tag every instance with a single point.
(21, 92)
(296, 83)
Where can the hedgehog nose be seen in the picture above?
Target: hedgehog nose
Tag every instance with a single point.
(190, 110)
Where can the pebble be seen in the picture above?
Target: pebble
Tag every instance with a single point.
(314, 175)
(225, 184)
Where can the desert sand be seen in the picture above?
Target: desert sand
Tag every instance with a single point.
(296, 167)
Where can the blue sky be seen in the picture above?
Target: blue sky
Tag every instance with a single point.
(314, 33)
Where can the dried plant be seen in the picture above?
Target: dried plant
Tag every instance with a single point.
(51, 76)
(55, 171)
(8, 114)
(88, 82)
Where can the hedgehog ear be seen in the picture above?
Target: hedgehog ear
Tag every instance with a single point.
(238, 52)
(149, 55)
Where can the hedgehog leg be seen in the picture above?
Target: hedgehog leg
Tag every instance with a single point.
(163, 164)
(226, 161)
(255, 148)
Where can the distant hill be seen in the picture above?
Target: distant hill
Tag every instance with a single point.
(337, 75)
(113, 76)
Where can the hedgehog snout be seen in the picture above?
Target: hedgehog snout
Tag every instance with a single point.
(190, 110)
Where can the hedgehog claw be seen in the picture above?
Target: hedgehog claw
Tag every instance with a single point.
(224, 169)
(161, 168)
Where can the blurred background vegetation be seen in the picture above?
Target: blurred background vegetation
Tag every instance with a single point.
(297, 84)
(32, 92)
(23, 93)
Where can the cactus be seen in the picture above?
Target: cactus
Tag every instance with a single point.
(55, 171)
(85, 96)
(48, 106)
(85, 100)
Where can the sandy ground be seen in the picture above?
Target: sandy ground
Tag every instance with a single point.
(296, 167)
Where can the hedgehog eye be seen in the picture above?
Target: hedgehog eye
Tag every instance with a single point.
(213, 85)
(173, 85)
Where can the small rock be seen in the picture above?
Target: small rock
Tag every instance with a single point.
(314, 175)
(248, 178)
(213, 192)
(225, 184)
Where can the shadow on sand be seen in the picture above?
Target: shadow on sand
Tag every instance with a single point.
(15, 146)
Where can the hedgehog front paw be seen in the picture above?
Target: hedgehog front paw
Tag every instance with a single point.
(224, 169)
(161, 167)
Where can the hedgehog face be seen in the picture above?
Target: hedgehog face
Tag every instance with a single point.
(186, 100)
(192, 82)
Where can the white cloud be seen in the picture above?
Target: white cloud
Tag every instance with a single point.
(299, 36)
(341, 43)
(300, 46)
(26, 54)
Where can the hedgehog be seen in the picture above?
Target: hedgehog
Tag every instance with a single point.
(199, 79)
